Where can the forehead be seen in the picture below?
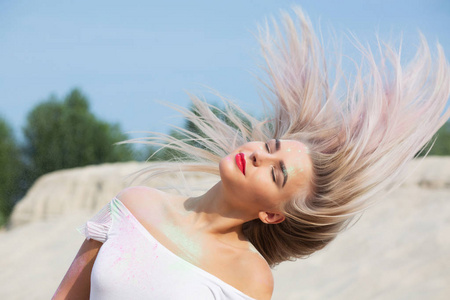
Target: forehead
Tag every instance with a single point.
(296, 158)
(295, 149)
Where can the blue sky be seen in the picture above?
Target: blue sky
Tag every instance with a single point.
(125, 56)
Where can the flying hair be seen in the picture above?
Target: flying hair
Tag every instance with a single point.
(359, 141)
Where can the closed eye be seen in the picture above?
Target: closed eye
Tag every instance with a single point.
(273, 175)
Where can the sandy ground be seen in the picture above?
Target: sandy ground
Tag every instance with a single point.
(400, 249)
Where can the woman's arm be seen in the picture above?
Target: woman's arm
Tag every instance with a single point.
(76, 284)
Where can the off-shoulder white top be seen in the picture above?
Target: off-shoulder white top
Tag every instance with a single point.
(132, 264)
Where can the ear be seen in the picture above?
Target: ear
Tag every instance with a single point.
(271, 217)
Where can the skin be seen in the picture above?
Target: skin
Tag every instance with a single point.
(207, 230)
(263, 197)
(77, 281)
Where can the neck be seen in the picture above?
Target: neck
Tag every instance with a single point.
(213, 213)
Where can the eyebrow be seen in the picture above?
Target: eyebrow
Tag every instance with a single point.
(282, 165)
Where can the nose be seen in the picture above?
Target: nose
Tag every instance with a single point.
(259, 157)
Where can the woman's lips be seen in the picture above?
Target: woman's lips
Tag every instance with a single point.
(240, 161)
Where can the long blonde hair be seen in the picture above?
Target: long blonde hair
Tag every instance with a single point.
(359, 142)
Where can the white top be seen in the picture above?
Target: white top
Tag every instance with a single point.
(132, 264)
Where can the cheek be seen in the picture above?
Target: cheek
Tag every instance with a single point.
(226, 167)
(231, 176)
(263, 189)
(259, 179)
(268, 200)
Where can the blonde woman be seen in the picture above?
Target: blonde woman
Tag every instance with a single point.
(288, 184)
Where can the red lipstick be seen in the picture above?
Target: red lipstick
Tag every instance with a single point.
(240, 161)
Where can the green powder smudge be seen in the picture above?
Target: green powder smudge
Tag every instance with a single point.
(190, 250)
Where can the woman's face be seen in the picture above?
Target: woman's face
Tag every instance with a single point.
(261, 176)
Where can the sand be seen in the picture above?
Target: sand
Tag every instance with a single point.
(399, 249)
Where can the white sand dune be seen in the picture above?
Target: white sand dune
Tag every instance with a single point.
(399, 249)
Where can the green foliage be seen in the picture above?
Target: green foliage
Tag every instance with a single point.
(219, 112)
(166, 154)
(10, 170)
(442, 145)
(65, 134)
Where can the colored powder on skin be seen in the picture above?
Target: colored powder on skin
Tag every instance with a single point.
(291, 171)
(190, 250)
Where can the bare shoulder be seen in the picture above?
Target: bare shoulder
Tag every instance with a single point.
(139, 193)
(139, 198)
(258, 276)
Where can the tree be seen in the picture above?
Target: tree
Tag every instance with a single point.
(442, 144)
(166, 154)
(10, 170)
(217, 110)
(65, 134)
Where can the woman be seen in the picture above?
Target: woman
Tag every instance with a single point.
(288, 185)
